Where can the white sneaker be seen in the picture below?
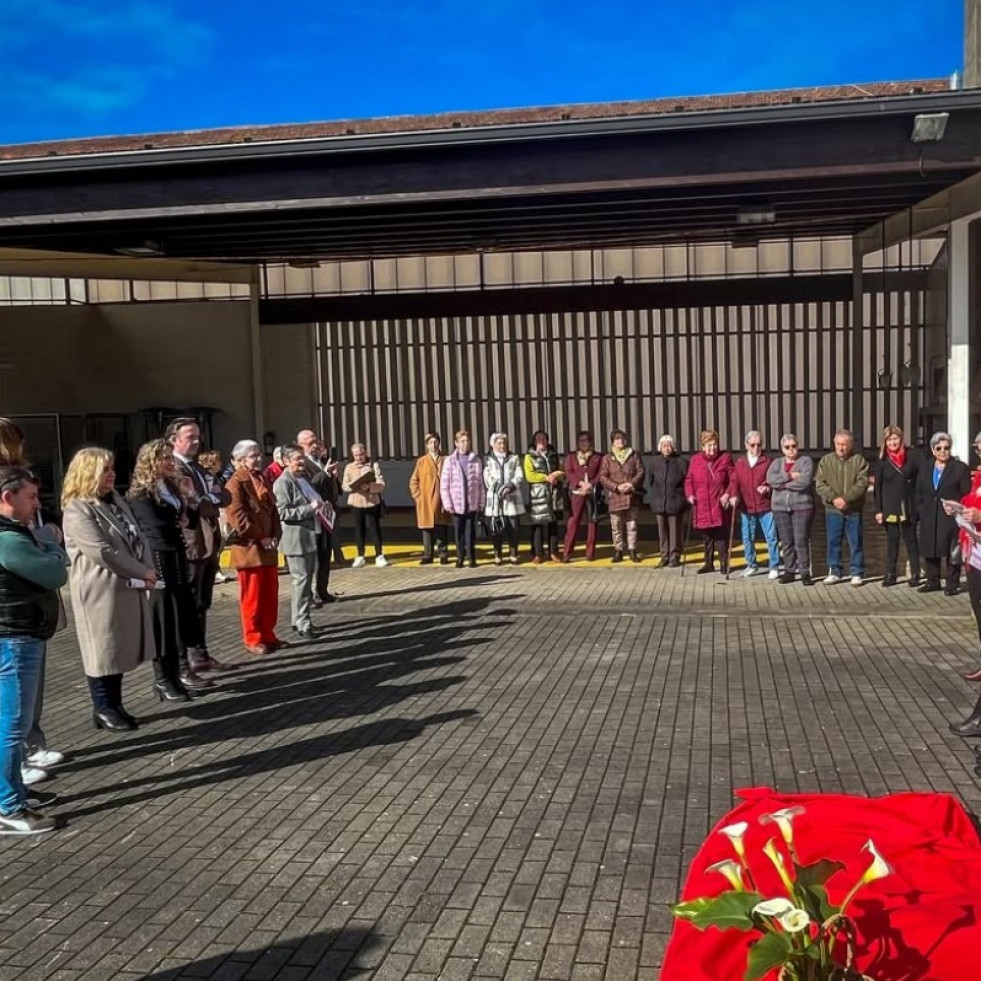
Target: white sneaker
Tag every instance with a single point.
(46, 758)
(830, 579)
(31, 775)
(753, 570)
(856, 580)
(25, 822)
(358, 563)
(773, 574)
(382, 561)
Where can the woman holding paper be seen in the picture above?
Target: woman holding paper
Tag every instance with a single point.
(364, 485)
(109, 578)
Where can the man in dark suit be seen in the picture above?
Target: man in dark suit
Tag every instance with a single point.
(322, 474)
(204, 539)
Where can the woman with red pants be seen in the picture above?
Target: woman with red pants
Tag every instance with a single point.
(582, 467)
(254, 521)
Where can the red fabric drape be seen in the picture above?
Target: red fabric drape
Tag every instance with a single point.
(923, 923)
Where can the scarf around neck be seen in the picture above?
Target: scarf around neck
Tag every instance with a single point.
(621, 455)
(897, 459)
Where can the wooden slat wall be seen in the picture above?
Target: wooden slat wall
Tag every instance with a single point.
(776, 368)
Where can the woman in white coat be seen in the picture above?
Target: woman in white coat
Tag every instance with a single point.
(503, 477)
(110, 573)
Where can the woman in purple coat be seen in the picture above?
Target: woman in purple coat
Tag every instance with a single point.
(462, 491)
(706, 487)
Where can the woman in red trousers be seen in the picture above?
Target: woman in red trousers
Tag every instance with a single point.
(254, 521)
(582, 467)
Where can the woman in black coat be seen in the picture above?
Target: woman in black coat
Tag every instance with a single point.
(159, 506)
(668, 471)
(894, 498)
(940, 478)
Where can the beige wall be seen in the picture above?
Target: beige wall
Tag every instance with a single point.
(124, 358)
(289, 379)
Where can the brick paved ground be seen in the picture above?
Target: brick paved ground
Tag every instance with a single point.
(482, 774)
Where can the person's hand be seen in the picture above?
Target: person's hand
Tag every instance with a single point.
(840, 503)
(725, 500)
(795, 475)
(763, 490)
(879, 518)
(268, 543)
(551, 479)
(56, 534)
(317, 505)
(973, 515)
(691, 501)
(625, 487)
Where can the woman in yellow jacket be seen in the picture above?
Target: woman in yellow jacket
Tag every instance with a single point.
(545, 477)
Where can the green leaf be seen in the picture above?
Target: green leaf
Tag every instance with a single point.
(771, 951)
(728, 910)
(817, 873)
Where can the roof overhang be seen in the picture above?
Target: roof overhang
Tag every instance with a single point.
(75, 265)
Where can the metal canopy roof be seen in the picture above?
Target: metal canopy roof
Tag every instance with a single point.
(833, 167)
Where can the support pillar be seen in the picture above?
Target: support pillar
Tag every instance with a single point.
(972, 44)
(857, 352)
(255, 343)
(959, 308)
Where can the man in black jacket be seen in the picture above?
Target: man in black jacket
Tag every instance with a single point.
(203, 539)
(322, 474)
(32, 571)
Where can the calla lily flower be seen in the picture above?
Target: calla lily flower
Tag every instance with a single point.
(879, 868)
(735, 833)
(774, 907)
(773, 854)
(795, 920)
(784, 820)
(732, 871)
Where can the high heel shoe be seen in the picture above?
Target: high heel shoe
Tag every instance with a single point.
(129, 718)
(111, 720)
(167, 689)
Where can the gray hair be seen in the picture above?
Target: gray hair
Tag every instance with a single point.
(786, 436)
(358, 446)
(666, 438)
(845, 432)
(242, 447)
(937, 437)
(751, 434)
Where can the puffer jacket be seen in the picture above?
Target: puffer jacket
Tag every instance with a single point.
(546, 501)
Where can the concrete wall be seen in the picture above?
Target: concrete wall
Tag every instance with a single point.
(289, 380)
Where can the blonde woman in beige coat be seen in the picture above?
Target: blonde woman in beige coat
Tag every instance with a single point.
(111, 572)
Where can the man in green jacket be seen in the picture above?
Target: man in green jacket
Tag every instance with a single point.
(841, 482)
(31, 573)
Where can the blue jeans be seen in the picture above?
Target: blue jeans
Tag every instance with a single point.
(839, 526)
(21, 659)
(752, 524)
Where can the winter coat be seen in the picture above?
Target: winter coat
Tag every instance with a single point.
(112, 621)
(937, 529)
(503, 482)
(31, 573)
(576, 472)
(297, 516)
(790, 494)
(368, 495)
(202, 537)
(745, 480)
(424, 488)
(253, 517)
(546, 501)
(848, 478)
(668, 484)
(894, 494)
(707, 480)
(461, 484)
(613, 473)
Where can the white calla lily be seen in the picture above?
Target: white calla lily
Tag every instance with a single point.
(774, 907)
(784, 820)
(731, 870)
(795, 920)
(879, 868)
(773, 854)
(735, 833)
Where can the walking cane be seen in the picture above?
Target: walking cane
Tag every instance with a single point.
(684, 541)
(732, 532)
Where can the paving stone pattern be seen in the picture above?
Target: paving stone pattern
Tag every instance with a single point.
(497, 773)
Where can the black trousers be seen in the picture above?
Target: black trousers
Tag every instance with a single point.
(716, 539)
(509, 534)
(325, 548)
(203, 574)
(932, 566)
(434, 538)
(465, 527)
(974, 590)
(907, 531)
(538, 532)
(368, 520)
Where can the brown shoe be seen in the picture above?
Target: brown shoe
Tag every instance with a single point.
(256, 650)
(205, 662)
(536, 561)
(278, 645)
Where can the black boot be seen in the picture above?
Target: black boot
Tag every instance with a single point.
(166, 688)
(889, 579)
(190, 679)
(617, 557)
(634, 557)
(112, 720)
(971, 726)
(709, 564)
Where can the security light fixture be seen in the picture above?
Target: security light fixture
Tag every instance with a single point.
(929, 127)
(761, 215)
(148, 250)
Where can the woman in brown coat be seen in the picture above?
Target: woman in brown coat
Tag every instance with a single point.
(424, 488)
(254, 522)
(622, 476)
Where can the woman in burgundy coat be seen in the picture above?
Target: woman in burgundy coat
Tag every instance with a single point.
(706, 487)
(582, 467)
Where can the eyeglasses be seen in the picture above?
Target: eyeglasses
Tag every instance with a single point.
(754, 444)
(790, 446)
(942, 447)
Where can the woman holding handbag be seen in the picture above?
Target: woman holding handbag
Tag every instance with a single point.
(503, 477)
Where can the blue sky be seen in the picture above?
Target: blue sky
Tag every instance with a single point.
(93, 67)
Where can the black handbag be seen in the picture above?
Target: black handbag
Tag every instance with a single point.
(598, 505)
